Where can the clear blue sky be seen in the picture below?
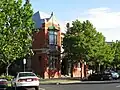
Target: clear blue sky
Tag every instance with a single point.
(104, 14)
(69, 9)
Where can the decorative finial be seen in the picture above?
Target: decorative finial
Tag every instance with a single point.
(27, 1)
(52, 14)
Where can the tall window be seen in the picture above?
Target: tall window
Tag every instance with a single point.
(52, 37)
(52, 62)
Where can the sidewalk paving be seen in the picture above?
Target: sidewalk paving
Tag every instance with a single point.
(60, 81)
(74, 81)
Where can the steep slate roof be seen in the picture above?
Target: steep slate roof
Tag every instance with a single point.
(40, 17)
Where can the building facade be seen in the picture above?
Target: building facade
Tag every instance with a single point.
(46, 46)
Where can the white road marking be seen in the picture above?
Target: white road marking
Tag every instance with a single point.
(41, 89)
(118, 86)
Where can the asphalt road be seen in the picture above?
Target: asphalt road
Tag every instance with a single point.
(114, 86)
(82, 87)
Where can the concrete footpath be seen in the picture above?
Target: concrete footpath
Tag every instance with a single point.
(73, 81)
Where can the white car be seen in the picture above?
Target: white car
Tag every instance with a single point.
(3, 83)
(26, 79)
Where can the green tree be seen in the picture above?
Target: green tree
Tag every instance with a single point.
(16, 29)
(109, 54)
(101, 54)
(79, 40)
(83, 43)
(116, 61)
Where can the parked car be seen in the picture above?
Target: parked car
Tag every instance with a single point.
(114, 74)
(3, 83)
(100, 76)
(26, 79)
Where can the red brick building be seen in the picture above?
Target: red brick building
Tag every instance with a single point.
(46, 46)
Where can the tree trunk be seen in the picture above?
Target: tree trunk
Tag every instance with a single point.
(99, 67)
(81, 70)
(71, 70)
(96, 67)
(7, 69)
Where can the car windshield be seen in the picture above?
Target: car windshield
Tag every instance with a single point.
(26, 74)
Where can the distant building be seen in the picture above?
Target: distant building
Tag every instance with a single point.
(109, 43)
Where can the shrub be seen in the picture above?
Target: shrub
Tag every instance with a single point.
(9, 77)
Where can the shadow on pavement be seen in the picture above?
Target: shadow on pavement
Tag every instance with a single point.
(10, 88)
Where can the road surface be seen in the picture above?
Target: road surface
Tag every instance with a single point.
(23, 89)
(82, 87)
(114, 86)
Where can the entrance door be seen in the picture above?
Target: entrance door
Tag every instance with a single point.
(41, 67)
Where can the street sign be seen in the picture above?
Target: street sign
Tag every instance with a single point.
(24, 61)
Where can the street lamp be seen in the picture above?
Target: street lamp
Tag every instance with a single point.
(24, 62)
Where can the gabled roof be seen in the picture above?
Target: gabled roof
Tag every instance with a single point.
(53, 19)
(40, 17)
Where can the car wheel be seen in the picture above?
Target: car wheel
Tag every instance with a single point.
(110, 78)
(101, 79)
(37, 88)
